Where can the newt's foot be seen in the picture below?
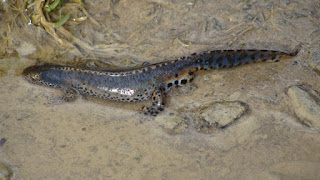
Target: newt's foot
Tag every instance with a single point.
(158, 104)
(151, 111)
(68, 96)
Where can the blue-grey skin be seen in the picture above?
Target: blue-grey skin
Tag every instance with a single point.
(139, 84)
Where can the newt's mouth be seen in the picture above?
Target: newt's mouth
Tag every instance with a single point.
(32, 74)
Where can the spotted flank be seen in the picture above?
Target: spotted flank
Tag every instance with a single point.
(149, 81)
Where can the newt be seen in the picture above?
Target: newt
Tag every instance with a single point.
(145, 82)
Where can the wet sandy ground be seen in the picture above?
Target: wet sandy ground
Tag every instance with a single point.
(103, 140)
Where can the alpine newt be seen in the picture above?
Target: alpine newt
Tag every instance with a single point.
(149, 81)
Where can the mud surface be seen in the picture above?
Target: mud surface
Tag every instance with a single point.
(89, 139)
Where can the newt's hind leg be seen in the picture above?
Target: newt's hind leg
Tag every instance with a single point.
(158, 103)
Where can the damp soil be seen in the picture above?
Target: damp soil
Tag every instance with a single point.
(94, 139)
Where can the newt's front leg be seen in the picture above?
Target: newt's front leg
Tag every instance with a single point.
(69, 95)
(158, 102)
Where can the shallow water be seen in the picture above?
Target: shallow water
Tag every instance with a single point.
(86, 139)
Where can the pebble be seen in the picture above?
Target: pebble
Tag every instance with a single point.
(26, 49)
(222, 114)
(306, 105)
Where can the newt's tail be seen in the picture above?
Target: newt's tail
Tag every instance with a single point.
(220, 59)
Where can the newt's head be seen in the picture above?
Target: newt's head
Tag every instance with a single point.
(33, 73)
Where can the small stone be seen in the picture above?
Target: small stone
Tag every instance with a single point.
(314, 60)
(2, 141)
(306, 104)
(6, 172)
(26, 49)
(222, 114)
(172, 123)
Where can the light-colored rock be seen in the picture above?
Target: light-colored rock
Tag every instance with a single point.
(306, 105)
(222, 114)
(6, 172)
(314, 59)
(26, 49)
(172, 123)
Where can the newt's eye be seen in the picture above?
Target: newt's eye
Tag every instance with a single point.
(198, 60)
(35, 76)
